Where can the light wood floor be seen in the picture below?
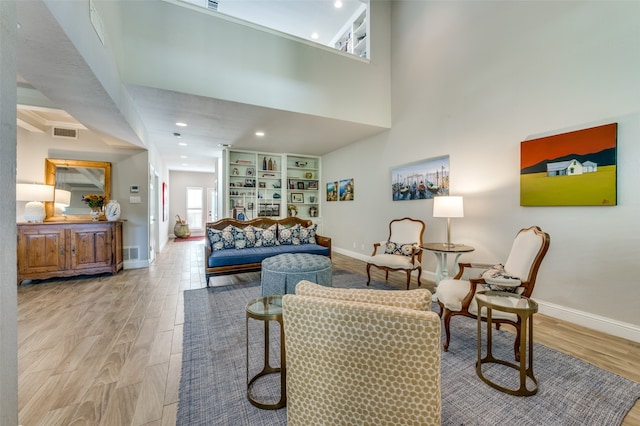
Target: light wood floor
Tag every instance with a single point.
(108, 350)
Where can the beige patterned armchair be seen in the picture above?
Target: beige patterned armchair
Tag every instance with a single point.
(369, 357)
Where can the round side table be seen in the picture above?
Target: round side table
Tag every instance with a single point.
(524, 308)
(267, 309)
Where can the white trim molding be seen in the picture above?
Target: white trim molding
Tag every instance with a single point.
(595, 322)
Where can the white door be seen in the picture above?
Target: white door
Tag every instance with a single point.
(154, 193)
(212, 212)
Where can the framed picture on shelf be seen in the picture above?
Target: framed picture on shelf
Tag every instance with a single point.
(300, 185)
(313, 185)
(251, 171)
(297, 197)
(249, 183)
(262, 184)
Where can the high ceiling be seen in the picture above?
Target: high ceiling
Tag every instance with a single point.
(57, 88)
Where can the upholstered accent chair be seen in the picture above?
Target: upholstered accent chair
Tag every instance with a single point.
(401, 251)
(361, 357)
(456, 296)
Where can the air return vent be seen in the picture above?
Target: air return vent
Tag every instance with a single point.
(131, 253)
(62, 132)
(212, 4)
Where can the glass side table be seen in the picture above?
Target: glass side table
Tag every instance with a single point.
(441, 250)
(524, 308)
(267, 309)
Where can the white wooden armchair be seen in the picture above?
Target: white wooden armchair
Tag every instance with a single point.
(361, 357)
(456, 296)
(401, 251)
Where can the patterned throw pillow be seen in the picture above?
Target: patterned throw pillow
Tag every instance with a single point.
(239, 237)
(215, 239)
(227, 237)
(498, 279)
(399, 249)
(250, 235)
(308, 234)
(268, 238)
(289, 236)
(257, 235)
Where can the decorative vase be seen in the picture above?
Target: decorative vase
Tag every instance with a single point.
(95, 214)
(112, 210)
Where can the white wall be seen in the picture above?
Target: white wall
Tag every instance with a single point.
(178, 183)
(474, 79)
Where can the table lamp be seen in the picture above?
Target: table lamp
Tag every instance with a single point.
(62, 200)
(35, 194)
(448, 206)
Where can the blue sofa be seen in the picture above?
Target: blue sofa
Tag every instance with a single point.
(233, 246)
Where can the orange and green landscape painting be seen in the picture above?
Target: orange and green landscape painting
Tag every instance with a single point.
(570, 169)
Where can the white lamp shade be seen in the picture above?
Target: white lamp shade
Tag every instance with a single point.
(34, 192)
(448, 206)
(63, 198)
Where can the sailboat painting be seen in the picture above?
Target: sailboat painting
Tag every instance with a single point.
(421, 180)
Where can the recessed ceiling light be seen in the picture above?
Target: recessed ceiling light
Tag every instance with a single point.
(185, 164)
(183, 156)
(259, 133)
(181, 124)
(315, 36)
(338, 4)
(182, 143)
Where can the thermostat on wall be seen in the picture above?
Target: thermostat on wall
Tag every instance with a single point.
(134, 188)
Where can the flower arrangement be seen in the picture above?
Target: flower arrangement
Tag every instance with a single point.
(95, 201)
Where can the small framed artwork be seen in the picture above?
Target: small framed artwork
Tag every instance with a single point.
(297, 197)
(313, 185)
(300, 185)
(262, 184)
(250, 171)
(249, 183)
(346, 190)
(332, 191)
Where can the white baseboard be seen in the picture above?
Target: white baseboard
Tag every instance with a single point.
(585, 319)
(589, 320)
(135, 264)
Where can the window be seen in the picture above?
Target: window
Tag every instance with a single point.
(194, 207)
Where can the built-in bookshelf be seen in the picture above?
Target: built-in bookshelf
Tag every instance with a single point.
(258, 184)
(354, 36)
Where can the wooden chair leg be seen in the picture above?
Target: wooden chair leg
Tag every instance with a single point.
(368, 273)
(441, 309)
(447, 320)
(419, 275)
(386, 277)
(408, 278)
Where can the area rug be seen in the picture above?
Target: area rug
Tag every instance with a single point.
(213, 383)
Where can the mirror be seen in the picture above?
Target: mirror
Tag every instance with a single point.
(79, 178)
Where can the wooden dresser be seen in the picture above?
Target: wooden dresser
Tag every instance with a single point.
(63, 249)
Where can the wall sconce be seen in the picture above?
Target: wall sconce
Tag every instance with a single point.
(35, 194)
(448, 206)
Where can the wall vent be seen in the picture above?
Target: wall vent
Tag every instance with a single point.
(212, 4)
(61, 132)
(130, 253)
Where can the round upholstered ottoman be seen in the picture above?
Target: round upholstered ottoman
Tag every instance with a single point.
(281, 273)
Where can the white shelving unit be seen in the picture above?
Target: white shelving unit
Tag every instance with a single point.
(354, 37)
(257, 184)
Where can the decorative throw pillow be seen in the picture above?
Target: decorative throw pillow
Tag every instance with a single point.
(498, 279)
(239, 237)
(308, 234)
(250, 236)
(268, 238)
(215, 239)
(399, 249)
(227, 237)
(289, 236)
(257, 235)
